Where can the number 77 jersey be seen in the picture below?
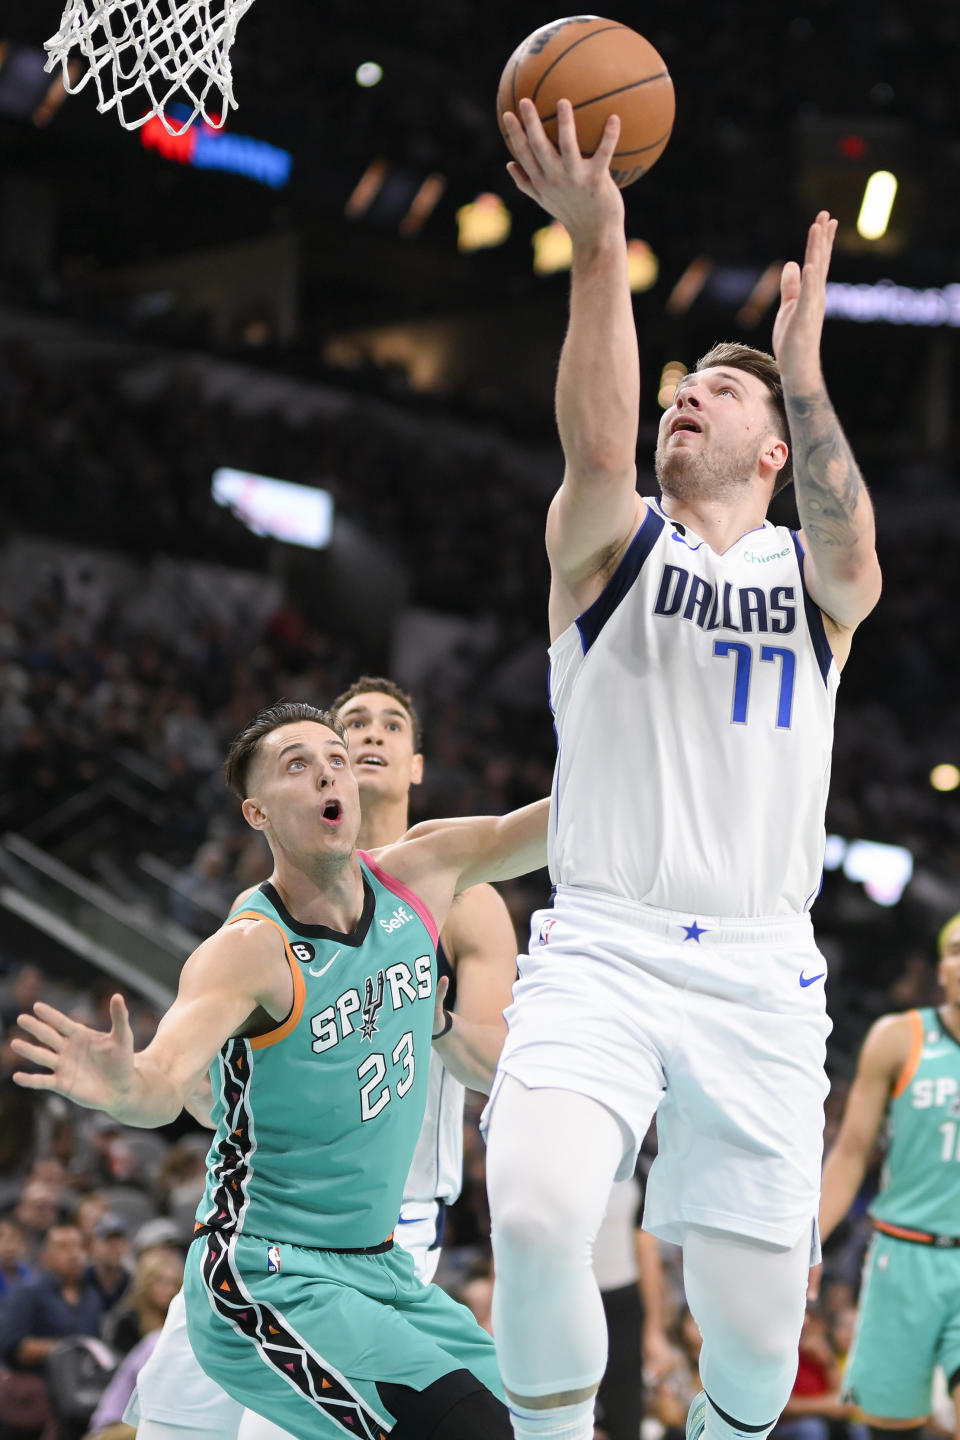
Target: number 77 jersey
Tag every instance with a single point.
(317, 1119)
(693, 704)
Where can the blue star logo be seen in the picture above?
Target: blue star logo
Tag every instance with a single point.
(693, 932)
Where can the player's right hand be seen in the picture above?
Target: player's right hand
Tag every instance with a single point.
(91, 1067)
(577, 190)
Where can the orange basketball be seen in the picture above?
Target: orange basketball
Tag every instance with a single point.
(602, 68)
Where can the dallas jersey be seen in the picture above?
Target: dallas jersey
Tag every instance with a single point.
(317, 1121)
(693, 704)
(437, 1169)
(920, 1186)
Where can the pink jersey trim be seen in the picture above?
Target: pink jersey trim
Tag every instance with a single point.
(405, 893)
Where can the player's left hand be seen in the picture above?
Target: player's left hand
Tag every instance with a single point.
(803, 296)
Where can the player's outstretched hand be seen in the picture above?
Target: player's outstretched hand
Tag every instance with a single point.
(92, 1067)
(803, 297)
(577, 190)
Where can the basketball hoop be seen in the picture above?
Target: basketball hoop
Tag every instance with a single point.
(144, 54)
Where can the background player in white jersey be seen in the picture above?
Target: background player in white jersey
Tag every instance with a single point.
(175, 1398)
(695, 654)
(477, 954)
(908, 1079)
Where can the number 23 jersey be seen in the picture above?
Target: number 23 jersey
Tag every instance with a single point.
(318, 1119)
(693, 703)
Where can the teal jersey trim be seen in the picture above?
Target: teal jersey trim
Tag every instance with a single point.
(317, 1120)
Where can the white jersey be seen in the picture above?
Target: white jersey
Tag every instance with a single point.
(693, 704)
(437, 1169)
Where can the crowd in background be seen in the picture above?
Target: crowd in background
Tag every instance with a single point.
(94, 1218)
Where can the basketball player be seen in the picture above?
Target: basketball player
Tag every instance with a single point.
(908, 1077)
(315, 1029)
(175, 1399)
(695, 656)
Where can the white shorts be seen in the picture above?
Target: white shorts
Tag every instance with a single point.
(718, 1025)
(173, 1389)
(420, 1232)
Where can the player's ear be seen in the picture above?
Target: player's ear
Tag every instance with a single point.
(416, 770)
(776, 454)
(254, 815)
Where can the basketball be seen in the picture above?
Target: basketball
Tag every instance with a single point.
(603, 68)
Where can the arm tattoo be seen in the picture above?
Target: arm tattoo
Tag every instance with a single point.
(827, 478)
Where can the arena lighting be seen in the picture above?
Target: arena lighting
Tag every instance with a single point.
(875, 207)
(885, 871)
(945, 777)
(670, 377)
(297, 514)
(689, 285)
(369, 73)
(422, 206)
(552, 249)
(761, 296)
(895, 304)
(643, 267)
(205, 148)
(366, 190)
(483, 224)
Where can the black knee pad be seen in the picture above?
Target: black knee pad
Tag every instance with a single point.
(877, 1433)
(455, 1407)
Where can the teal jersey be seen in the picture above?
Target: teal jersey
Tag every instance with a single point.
(920, 1187)
(317, 1120)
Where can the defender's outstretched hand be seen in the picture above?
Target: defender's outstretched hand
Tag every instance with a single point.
(577, 190)
(92, 1067)
(798, 327)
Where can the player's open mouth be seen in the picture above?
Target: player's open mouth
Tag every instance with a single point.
(689, 426)
(332, 812)
(373, 761)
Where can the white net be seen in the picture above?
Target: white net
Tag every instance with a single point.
(145, 55)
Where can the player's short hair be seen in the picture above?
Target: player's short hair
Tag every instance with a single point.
(380, 685)
(763, 366)
(944, 932)
(244, 746)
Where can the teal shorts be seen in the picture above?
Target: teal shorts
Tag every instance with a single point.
(303, 1336)
(909, 1323)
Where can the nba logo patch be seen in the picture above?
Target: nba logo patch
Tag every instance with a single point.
(545, 929)
(273, 1259)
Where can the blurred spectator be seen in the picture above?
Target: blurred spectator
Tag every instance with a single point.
(25, 988)
(814, 1407)
(38, 1209)
(162, 1234)
(14, 1270)
(476, 1292)
(676, 1389)
(19, 1113)
(157, 1278)
(109, 1269)
(57, 1305)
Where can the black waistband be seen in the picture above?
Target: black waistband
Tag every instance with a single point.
(320, 1249)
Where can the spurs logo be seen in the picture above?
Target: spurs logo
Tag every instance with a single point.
(371, 1006)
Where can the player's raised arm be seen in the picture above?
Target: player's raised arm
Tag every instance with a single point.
(842, 572)
(885, 1053)
(226, 979)
(481, 944)
(440, 858)
(598, 386)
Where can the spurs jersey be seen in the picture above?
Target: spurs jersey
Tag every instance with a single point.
(317, 1121)
(437, 1169)
(920, 1187)
(693, 704)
